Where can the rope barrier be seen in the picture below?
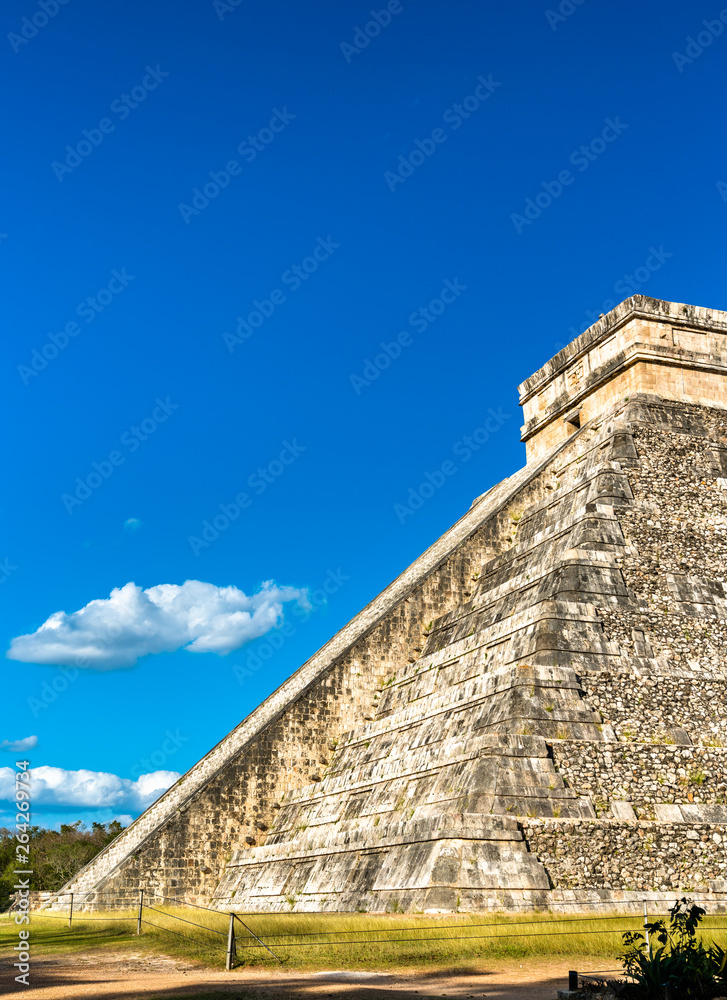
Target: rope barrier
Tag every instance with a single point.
(509, 923)
(536, 907)
(256, 937)
(429, 940)
(168, 930)
(278, 936)
(210, 909)
(173, 917)
(596, 975)
(76, 917)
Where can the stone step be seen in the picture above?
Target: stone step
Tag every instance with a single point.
(424, 857)
(502, 630)
(484, 696)
(449, 764)
(443, 825)
(537, 547)
(532, 647)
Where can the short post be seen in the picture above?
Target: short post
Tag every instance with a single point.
(572, 981)
(141, 907)
(646, 928)
(70, 912)
(230, 943)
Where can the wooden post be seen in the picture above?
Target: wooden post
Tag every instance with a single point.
(141, 907)
(70, 912)
(572, 981)
(230, 944)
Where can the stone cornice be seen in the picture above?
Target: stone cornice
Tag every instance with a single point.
(632, 355)
(677, 314)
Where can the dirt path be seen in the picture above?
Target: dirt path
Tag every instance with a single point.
(122, 976)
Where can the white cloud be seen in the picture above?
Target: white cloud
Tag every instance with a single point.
(131, 623)
(20, 746)
(88, 789)
(132, 524)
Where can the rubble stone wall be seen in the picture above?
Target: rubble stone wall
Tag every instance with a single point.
(643, 774)
(607, 854)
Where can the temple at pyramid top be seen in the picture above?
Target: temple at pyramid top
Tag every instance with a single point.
(644, 345)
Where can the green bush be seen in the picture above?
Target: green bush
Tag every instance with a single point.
(679, 960)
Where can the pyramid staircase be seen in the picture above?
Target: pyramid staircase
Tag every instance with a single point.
(419, 807)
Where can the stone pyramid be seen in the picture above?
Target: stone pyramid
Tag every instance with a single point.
(534, 712)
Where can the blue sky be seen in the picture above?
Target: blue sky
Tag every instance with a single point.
(215, 215)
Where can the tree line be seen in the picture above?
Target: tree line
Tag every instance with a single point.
(55, 855)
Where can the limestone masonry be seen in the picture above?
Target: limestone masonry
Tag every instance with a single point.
(534, 712)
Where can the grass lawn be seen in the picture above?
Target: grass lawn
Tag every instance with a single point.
(313, 941)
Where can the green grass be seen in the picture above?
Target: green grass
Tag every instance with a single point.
(361, 941)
